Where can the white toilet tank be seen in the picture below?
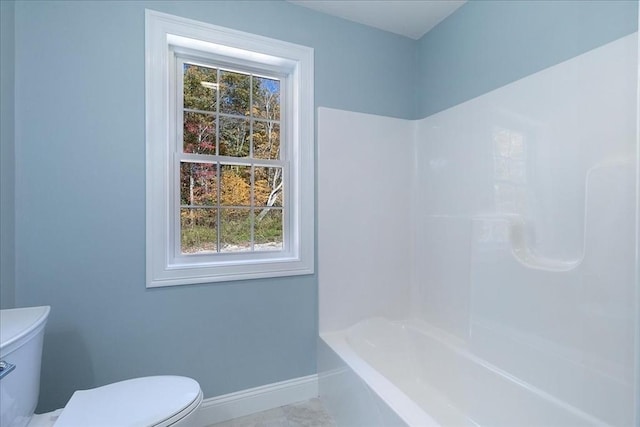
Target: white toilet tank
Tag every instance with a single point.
(21, 336)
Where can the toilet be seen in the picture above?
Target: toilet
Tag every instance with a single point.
(158, 401)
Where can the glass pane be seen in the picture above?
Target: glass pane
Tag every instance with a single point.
(198, 230)
(200, 87)
(198, 184)
(234, 137)
(266, 140)
(236, 186)
(199, 133)
(234, 93)
(268, 186)
(266, 98)
(268, 230)
(235, 230)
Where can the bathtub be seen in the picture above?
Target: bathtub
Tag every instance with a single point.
(399, 373)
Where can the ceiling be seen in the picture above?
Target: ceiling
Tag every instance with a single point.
(410, 18)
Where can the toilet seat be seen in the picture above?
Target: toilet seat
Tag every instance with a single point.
(150, 401)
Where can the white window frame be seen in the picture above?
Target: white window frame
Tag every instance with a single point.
(166, 34)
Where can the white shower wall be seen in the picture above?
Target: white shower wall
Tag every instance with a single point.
(538, 272)
(364, 227)
(508, 222)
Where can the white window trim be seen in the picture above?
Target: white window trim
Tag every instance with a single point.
(163, 267)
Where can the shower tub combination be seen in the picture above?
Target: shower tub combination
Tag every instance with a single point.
(499, 287)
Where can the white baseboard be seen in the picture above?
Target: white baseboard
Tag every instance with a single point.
(246, 402)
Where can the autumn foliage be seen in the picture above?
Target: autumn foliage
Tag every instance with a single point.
(231, 192)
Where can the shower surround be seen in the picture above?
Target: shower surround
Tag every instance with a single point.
(479, 266)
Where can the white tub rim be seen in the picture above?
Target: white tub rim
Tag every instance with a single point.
(406, 409)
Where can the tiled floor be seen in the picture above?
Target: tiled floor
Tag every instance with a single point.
(304, 414)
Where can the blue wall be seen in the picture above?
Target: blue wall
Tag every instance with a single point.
(80, 198)
(7, 163)
(79, 172)
(487, 44)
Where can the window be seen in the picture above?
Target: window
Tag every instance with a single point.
(231, 169)
(229, 154)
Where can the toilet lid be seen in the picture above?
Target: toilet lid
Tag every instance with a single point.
(148, 401)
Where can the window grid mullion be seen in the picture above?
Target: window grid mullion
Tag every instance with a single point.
(179, 147)
(218, 165)
(252, 208)
(230, 207)
(230, 115)
(252, 176)
(228, 160)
